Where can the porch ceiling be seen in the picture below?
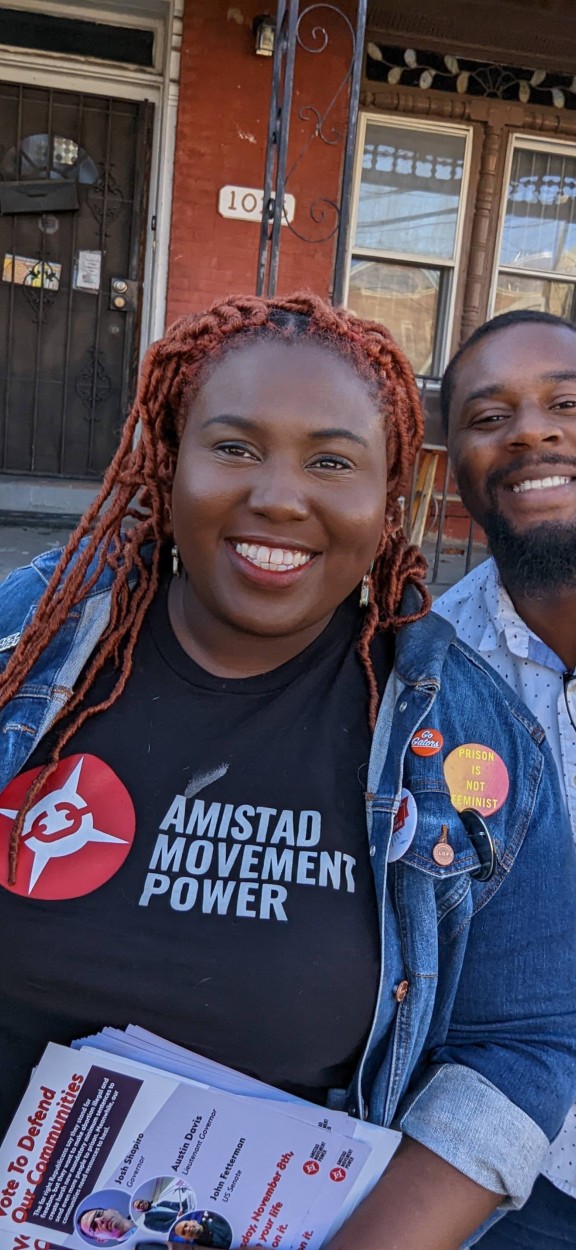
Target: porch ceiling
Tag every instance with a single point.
(532, 33)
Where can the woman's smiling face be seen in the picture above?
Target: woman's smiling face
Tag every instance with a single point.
(279, 496)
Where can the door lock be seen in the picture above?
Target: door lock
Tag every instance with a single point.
(123, 295)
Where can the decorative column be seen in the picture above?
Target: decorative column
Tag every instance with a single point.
(481, 239)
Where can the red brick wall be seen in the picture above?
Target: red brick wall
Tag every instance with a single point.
(221, 137)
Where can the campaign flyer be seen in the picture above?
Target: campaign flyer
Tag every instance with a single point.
(105, 1152)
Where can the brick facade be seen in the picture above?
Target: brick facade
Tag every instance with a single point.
(221, 139)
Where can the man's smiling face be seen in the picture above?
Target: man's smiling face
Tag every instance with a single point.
(512, 442)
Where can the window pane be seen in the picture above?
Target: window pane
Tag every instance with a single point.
(405, 299)
(540, 224)
(410, 191)
(514, 291)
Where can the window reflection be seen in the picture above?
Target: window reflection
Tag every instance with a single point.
(41, 156)
(405, 299)
(540, 223)
(514, 292)
(410, 191)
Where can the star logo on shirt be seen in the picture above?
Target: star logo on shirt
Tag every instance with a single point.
(59, 824)
(83, 811)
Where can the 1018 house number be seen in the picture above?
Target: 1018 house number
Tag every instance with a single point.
(247, 203)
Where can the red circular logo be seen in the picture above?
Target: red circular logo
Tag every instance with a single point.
(311, 1167)
(338, 1174)
(76, 835)
(427, 742)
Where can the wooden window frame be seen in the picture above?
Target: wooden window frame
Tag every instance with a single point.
(531, 143)
(494, 124)
(446, 313)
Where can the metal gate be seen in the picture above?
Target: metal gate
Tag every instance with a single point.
(74, 173)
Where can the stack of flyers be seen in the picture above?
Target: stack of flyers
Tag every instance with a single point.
(126, 1139)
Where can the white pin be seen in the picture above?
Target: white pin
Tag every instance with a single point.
(405, 822)
(7, 643)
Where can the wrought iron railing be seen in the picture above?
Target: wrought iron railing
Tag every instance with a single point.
(309, 30)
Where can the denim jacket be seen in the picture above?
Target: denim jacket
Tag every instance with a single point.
(476, 1056)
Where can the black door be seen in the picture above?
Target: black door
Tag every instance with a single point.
(74, 173)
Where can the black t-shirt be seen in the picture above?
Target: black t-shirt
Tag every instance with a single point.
(240, 920)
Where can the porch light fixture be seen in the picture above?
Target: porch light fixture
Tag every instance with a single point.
(264, 30)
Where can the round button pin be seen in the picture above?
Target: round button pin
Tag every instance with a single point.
(405, 822)
(477, 778)
(427, 742)
(443, 854)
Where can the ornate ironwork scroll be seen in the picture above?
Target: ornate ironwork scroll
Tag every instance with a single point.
(105, 200)
(93, 385)
(309, 32)
(41, 294)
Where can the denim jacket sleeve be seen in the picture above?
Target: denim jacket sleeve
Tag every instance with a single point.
(28, 716)
(19, 594)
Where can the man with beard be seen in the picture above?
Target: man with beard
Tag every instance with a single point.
(509, 407)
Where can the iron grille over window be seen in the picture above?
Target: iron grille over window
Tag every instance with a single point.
(537, 251)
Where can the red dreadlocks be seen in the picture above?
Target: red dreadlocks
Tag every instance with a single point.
(137, 491)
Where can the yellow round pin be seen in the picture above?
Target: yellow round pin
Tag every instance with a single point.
(477, 778)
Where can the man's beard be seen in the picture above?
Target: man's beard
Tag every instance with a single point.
(536, 562)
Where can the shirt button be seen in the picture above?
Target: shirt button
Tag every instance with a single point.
(401, 991)
(402, 707)
(372, 851)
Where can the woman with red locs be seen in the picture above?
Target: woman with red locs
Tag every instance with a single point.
(139, 482)
(229, 615)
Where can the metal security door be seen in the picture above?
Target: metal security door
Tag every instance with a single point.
(74, 173)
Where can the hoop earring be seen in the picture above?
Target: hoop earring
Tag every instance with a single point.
(365, 588)
(175, 561)
(394, 525)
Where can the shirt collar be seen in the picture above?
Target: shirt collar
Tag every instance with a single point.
(502, 618)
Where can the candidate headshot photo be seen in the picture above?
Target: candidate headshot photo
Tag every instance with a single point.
(103, 1218)
(201, 1228)
(159, 1202)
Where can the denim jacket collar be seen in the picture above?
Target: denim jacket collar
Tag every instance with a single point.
(421, 649)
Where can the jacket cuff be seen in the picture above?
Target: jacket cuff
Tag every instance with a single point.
(467, 1121)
